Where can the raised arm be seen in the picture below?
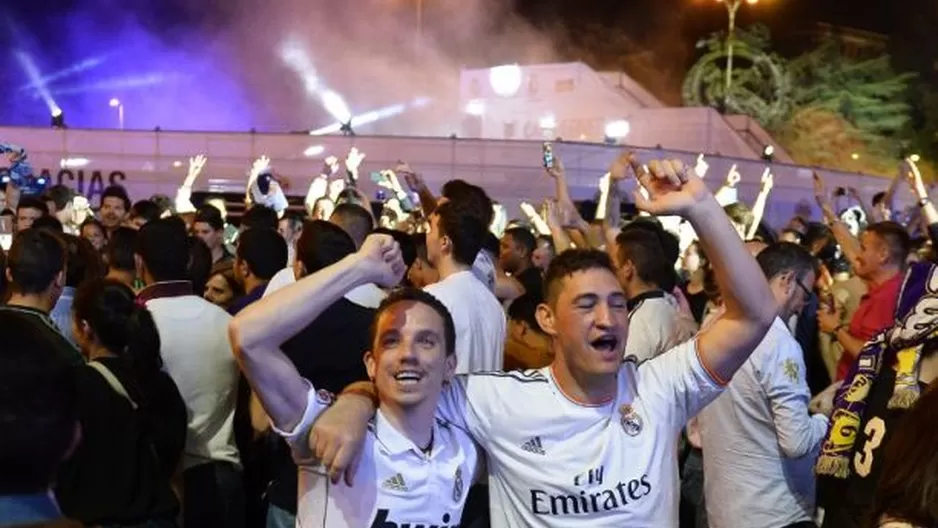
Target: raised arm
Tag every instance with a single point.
(727, 193)
(848, 243)
(758, 208)
(257, 332)
(183, 201)
(749, 311)
(928, 211)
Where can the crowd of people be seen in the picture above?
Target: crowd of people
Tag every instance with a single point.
(425, 361)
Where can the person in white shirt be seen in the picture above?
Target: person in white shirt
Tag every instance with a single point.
(453, 242)
(197, 355)
(656, 321)
(759, 440)
(590, 440)
(416, 468)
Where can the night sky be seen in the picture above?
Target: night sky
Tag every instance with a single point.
(211, 53)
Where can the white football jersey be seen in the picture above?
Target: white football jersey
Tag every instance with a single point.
(397, 484)
(557, 463)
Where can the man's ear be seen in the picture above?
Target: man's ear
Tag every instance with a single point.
(449, 368)
(60, 279)
(545, 318)
(371, 365)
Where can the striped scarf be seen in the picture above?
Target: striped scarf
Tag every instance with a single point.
(901, 345)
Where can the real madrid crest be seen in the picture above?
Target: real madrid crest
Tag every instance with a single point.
(631, 421)
(457, 485)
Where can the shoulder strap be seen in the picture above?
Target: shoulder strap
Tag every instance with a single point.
(112, 380)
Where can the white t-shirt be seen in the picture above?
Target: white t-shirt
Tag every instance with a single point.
(556, 463)
(759, 441)
(396, 483)
(656, 325)
(197, 355)
(479, 319)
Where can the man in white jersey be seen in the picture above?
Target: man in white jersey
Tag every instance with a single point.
(591, 441)
(417, 468)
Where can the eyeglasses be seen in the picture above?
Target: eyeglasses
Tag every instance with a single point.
(808, 294)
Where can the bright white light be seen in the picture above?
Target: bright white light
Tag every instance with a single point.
(177, 164)
(547, 122)
(313, 151)
(295, 57)
(506, 80)
(855, 156)
(56, 112)
(115, 102)
(475, 108)
(915, 158)
(335, 105)
(73, 163)
(768, 150)
(372, 116)
(618, 129)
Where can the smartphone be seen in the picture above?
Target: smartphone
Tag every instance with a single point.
(377, 177)
(548, 150)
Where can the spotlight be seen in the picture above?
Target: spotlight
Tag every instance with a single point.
(475, 108)
(768, 153)
(547, 122)
(616, 131)
(854, 156)
(506, 80)
(58, 118)
(314, 151)
(915, 158)
(346, 129)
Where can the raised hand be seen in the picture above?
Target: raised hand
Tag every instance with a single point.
(330, 165)
(820, 191)
(335, 189)
(733, 177)
(672, 189)
(914, 177)
(768, 180)
(260, 165)
(619, 170)
(702, 166)
(354, 160)
(411, 178)
(196, 164)
(556, 171)
(380, 258)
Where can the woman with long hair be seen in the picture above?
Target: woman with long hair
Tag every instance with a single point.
(133, 420)
(907, 494)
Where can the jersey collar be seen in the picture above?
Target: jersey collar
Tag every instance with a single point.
(395, 443)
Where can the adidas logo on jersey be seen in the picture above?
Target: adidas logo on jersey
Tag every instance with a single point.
(395, 483)
(534, 446)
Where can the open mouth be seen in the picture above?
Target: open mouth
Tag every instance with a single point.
(408, 377)
(606, 344)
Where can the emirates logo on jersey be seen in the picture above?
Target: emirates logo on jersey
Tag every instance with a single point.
(585, 502)
(383, 520)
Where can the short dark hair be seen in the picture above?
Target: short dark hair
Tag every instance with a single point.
(405, 241)
(878, 198)
(354, 219)
(322, 244)
(162, 202)
(209, 214)
(32, 202)
(643, 249)
(524, 310)
(416, 295)
(784, 257)
(84, 263)
(549, 240)
(199, 265)
(472, 198)
(117, 191)
(465, 231)
(38, 409)
(264, 251)
(420, 245)
(120, 249)
(740, 214)
(146, 210)
(490, 243)
(164, 247)
(36, 258)
(670, 243)
(49, 223)
(259, 217)
(295, 218)
(524, 238)
(60, 195)
(896, 237)
(569, 262)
